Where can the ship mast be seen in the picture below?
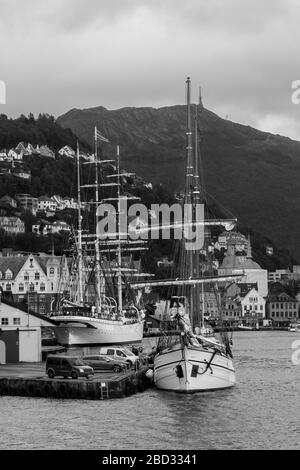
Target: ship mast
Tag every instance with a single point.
(189, 195)
(196, 201)
(80, 260)
(119, 252)
(97, 249)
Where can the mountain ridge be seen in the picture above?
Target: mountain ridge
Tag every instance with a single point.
(254, 173)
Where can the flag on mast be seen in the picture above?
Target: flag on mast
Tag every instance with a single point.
(100, 136)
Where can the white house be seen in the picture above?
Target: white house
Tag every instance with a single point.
(67, 151)
(3, 155)
(45, 203)
(20, 334)
(60, 226)
(253, 304)
(12, 225)
(34, 279)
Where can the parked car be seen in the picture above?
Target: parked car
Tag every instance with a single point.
(106, 363)
(120, 352)
(67, 366)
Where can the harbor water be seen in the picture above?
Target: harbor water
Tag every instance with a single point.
(261, 412)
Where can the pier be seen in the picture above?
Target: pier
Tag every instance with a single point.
(30, 380)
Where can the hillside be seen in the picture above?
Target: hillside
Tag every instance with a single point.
(43, 130)
(254, 174)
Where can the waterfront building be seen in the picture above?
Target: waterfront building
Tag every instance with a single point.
(210, 301)
(20, 334)
(35, 281)
(243, 303)
(282, 309)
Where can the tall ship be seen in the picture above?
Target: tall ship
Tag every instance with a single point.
(99, 309)
(193, 359)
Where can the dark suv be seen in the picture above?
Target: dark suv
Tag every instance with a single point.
(67, 366)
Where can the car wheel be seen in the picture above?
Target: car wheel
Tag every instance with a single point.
(74, 375)
(116, 368)
(51, 374)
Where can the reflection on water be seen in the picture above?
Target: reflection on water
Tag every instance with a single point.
(261, 412)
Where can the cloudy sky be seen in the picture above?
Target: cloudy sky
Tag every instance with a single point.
(61, 54)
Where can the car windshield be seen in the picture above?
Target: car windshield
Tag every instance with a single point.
(128, 352)
(77, 362)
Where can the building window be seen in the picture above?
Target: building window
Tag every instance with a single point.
(4, 321)
(8, 274)
(17, 321)
(8, 287)
(51, 271)
(31, 263)
(26, 277)
(42, 287)
(31, 287)
(37, 276)
(42, 309)
(261, 307)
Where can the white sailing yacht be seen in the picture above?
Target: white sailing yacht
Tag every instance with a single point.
(192, 361)
(107, 320)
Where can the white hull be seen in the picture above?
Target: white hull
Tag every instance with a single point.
(82, 331)
(212, 370)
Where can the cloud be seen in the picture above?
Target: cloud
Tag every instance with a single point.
(61, 54)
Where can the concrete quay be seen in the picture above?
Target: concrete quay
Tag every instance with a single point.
(30, 380)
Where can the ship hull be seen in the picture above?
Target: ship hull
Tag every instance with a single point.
(187, 369)
(87, 332)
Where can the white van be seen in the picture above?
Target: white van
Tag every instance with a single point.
(120, 353)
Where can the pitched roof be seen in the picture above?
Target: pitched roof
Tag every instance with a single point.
(14, 263)
(24, 309)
